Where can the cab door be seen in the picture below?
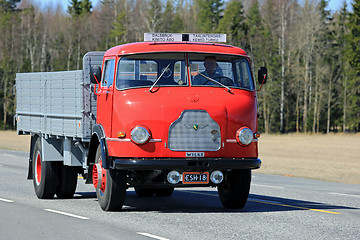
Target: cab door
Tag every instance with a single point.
(105, 97)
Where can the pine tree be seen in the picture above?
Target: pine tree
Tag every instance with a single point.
(342, 31)
(233, 23)
(79, 11)
(168, 16)
(269, 95)
(327, 54)
(8, 62)
(119, 28)
(8, 5)
(353, 57)
(209, 15)
(74, 8)
(255, 35)
(86, 6)
(177, 24)
(154, 16)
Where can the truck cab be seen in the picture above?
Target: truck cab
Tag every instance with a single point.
(174, 114)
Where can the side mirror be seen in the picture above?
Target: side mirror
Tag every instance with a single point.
(262, 75)
(95, 75)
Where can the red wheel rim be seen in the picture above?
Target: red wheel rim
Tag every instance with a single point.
(103, 178)
(99, 177)
(38, 168)
(95, 176)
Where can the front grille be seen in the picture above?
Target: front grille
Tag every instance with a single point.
(194, 130)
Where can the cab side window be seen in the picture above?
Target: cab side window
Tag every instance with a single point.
(109, 70)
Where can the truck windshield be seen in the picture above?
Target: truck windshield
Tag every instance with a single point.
(169, 69)
(231, 71)
(143, 70)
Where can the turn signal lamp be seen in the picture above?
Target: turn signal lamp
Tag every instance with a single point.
(120, 134)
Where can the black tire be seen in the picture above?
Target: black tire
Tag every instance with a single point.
(144, 192)
(164, 192)
(113, 196)
(234, 192)
(67, 181)
(45, 184)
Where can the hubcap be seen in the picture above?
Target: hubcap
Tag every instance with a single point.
(38, 168)
(99, 177)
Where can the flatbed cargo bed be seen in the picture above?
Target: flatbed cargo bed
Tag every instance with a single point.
(59, 104)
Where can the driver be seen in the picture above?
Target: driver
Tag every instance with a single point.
(212, 70)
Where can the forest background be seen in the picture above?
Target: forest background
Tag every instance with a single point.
(312, 54)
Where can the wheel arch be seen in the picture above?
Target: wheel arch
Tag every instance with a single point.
(98, 137)
(31, 154)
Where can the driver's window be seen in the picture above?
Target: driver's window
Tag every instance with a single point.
(244, 74)
(109, 70)
(210, 67)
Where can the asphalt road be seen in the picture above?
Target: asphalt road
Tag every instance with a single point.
(278, 208)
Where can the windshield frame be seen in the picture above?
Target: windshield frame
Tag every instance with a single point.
(187, 56)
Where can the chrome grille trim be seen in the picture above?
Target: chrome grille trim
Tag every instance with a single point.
(194, 130)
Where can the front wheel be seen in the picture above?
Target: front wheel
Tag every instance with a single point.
(44, 173)
(110, 185)
(234, 191)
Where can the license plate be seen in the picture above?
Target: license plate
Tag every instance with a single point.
(195, 177)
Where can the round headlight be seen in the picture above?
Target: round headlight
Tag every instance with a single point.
(217, 177)
(173, 177)
(140, 135)
(245, 136)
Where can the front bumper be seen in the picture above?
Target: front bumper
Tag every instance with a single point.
(187, 164)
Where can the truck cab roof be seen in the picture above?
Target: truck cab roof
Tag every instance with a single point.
(150, 47)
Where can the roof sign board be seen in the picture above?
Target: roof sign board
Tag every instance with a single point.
(184, 37)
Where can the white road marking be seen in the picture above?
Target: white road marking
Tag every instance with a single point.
(261, 185)
(344, 194)
(6, 200)
(66, 214)
(9, 155)
(152, 236)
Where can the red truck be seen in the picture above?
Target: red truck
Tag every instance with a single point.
(150, 115)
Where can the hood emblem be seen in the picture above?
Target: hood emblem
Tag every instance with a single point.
(196, 126)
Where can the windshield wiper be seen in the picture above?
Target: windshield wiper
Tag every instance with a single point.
(152, 86)
(214, 81)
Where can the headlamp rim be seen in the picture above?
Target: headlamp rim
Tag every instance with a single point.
(140, 127)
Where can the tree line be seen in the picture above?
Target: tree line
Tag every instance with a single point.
(312, 54)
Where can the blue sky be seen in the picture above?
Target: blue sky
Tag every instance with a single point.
(337, 4)
(333, 4)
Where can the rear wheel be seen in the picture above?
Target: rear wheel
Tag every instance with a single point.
(44, 174)
(110, 185)
(67, 181)
(234, 192)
